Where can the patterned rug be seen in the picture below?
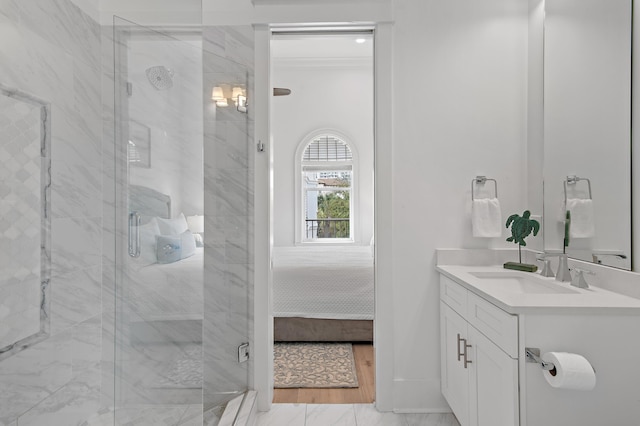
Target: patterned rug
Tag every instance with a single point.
(314, 365)
(185, 371)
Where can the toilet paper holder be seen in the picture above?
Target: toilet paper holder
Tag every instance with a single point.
(533, 355)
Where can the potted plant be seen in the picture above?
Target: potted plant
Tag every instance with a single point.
(521, 228)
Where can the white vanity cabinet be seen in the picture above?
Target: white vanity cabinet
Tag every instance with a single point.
(479, 351)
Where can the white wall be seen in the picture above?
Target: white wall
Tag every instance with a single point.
(460, 74)
(338, 98)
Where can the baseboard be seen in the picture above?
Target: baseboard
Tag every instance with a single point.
(418, 396)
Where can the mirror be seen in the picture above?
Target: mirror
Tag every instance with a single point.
(25, 167)
(587, 129)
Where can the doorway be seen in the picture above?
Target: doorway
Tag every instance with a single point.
(323, 216)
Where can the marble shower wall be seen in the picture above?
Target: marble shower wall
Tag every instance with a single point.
(51, 49)
(228, 176)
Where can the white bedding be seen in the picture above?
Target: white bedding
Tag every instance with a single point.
(333, 282)
(171, 291)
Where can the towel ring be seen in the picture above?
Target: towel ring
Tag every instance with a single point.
(481, 180)
(573, 180)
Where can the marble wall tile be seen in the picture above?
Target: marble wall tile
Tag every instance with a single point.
(51, 50)
(87, 86)
(76, 244)
(107, 360)
(70, 27)
(34, 374)
(231, 144)
(76, 179)
(336, 415)
(213, 41)
(20, 220)
(228, 192)
(87, 349)
(228, 177)
(75, 297)
(9, 11)
(31, 64)
(79, 399)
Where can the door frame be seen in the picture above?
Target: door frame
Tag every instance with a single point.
(262, 377)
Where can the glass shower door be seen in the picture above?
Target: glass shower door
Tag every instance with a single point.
(181, 291)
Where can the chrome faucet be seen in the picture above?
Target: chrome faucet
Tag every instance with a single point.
(578, 278)
(563, 273)
(546, 269)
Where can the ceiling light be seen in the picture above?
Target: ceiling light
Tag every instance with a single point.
(360, 40)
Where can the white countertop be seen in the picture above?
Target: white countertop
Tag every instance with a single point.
(593, 300)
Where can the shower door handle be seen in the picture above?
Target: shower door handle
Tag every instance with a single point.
(134, 234)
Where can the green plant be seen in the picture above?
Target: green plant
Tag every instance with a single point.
(521, 227)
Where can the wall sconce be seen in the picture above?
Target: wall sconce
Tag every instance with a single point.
(217, 95)
(238, 96)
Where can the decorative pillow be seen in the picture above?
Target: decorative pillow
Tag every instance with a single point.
(174, 226)
(148, 233)
(171, 248)
(168, 248)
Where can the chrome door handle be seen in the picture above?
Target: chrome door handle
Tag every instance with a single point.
(460, 355)
(467, 361)
(134, 234)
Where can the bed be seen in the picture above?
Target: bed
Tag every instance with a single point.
(162, 294)
(323, 293)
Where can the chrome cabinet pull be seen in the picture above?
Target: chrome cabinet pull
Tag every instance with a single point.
(460, 355)
(134, 234)
(467, 361)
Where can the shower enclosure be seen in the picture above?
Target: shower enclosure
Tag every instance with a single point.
(182, 228)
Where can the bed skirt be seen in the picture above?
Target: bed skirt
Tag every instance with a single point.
(296, 329)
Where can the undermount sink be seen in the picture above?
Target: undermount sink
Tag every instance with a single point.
(519, 282)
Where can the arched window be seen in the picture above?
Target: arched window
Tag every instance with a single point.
(326, 166)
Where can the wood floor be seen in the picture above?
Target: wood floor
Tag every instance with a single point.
(365, 367)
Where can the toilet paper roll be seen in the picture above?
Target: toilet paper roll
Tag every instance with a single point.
(572, 371)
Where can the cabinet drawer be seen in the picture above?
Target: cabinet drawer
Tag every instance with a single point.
(500, 327)
(454, 295)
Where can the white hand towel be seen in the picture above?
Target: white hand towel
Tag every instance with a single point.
(582, 218)
(486, 218)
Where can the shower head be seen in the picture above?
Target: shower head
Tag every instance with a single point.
(160, 77)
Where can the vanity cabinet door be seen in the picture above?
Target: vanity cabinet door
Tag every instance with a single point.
(493, 399)
(455, 377)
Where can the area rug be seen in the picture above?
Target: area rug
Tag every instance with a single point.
(314, 365)
(185, 371)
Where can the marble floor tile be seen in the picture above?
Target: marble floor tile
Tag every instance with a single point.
(150, 415)
(283, 414)
(330, 414)
(192, 417)
(367, 415)
(434, 419)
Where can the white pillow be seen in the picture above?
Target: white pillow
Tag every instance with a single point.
(174, 226)
(148, 233)
(188, 244)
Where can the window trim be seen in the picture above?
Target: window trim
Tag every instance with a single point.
(300, 190)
